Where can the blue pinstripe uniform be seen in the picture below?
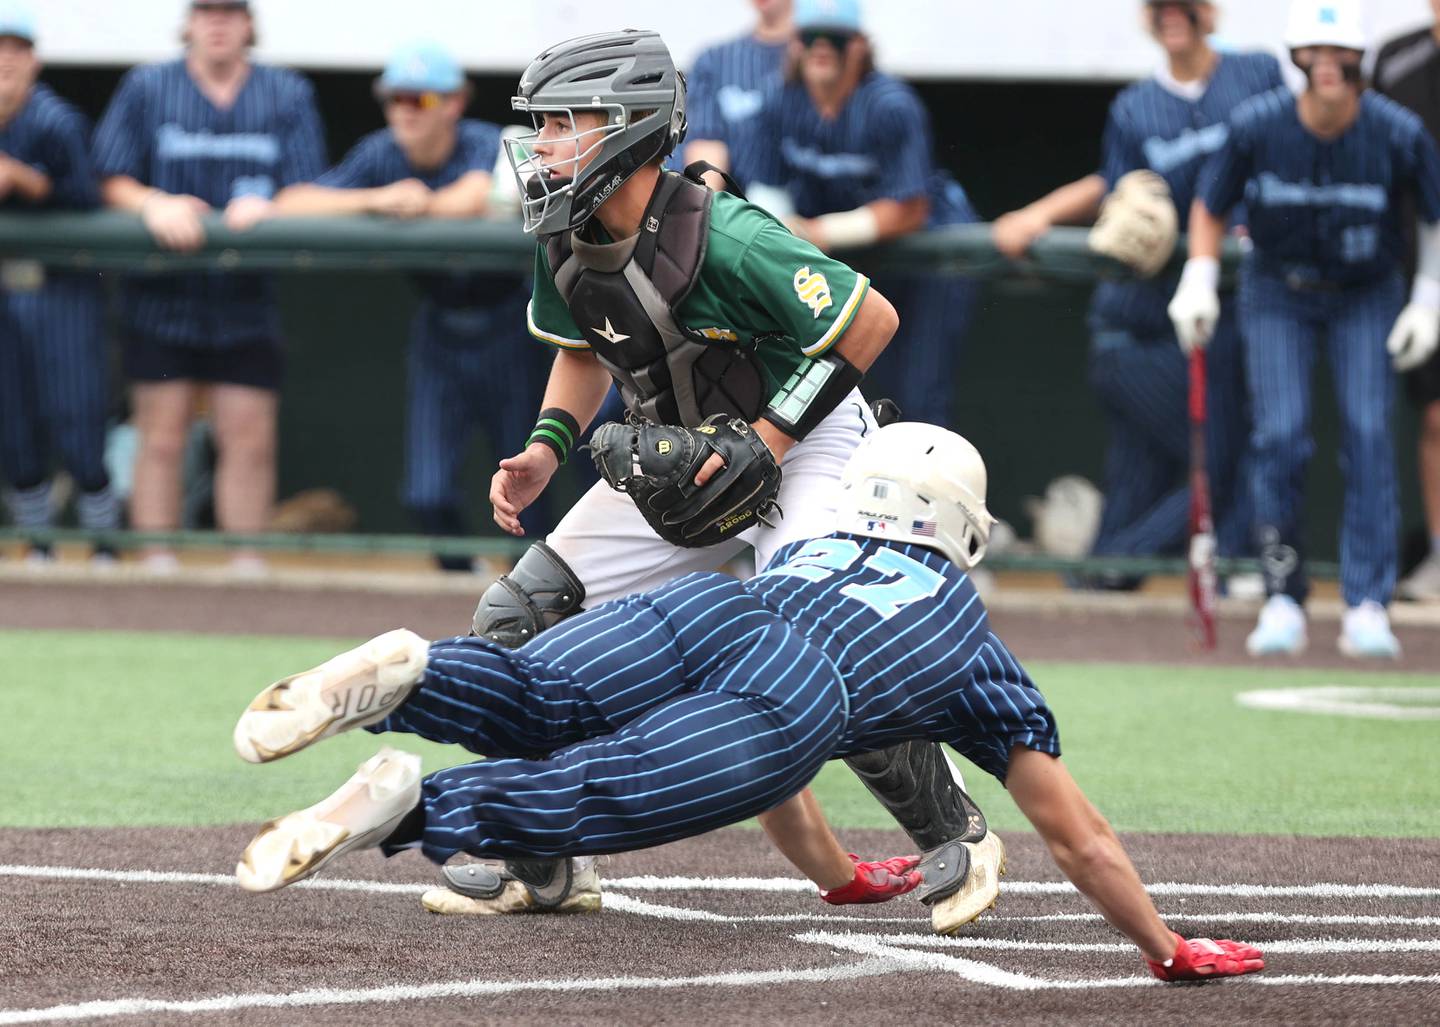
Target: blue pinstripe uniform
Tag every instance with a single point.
(463, 371)
(53, 367)
(1325, 220)
(878, 147)
(162, 131)
(1137, 368)
(725, 93)
(709, 700)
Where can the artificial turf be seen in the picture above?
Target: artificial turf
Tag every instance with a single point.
(123, 729)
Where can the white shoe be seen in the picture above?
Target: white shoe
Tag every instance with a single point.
(248, 566)
(161, 562)
(1365, 633)
(351, 690)
(1281, 630)
(1423, 583)
(360, 814)
(980, 890)
(496, 893)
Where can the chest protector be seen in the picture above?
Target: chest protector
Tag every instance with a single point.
(623, 297)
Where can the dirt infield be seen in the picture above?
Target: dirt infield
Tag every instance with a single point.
(667, 951)
(1089, 629)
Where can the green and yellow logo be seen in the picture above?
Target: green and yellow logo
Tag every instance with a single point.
(720, 334)
(813, 290)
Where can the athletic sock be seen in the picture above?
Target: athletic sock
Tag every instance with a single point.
(98, 511)
(30, 508)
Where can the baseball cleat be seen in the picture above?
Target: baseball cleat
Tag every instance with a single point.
(360, 814)
(1280, 630)
(354, 689)
(494, 892)
(979, 891)
(1423, 583)
(1365, 633)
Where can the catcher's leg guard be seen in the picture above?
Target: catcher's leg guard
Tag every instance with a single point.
(962, 861)
(537, 594)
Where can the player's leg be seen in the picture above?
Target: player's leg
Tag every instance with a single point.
(1227, 438)
(436, 430)
(1280, 328)
(161, 412)
(1370, 521)
(22, 449)
(246, 427)
(73, 384)
(1423, 583)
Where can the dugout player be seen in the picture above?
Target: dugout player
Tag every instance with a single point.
(53, 366)
(1323, 176)
(726, 89)
(709, 700)
(211, 131)
(1168, 125)
(694, 304)
(1408, 71)
(434, 162)
(848, 161)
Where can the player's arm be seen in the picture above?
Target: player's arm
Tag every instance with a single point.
(1075, 203)
(20, 179)
(408, 198)
(875, 222)
(173, 220)
(1085, 848)
(467, 197)
(1416, 332)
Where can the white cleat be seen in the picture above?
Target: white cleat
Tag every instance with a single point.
(360, 814)
(510, 896)
(980, 890)
(1365, 633)
(354, 689)
(1281, 629)
(1423, 583)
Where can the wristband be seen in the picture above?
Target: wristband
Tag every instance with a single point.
(849, 229)
(815, 388)
(557, 429)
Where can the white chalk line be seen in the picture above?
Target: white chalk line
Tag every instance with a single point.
(441, 990)
(1370, 702)
(1235, 916)
(1294, 946)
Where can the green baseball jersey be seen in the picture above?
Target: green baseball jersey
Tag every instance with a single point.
(759, 284)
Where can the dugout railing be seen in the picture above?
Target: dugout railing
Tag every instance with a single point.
(118, 243)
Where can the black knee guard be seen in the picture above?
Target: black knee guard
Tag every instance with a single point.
(913, 780)
(539, 593)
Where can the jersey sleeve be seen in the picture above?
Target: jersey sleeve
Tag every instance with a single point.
(900, 142)
(702, 107)
(547, 317)
(360, 168)
(119, 147)
(1221, 185)
(481, 151)
(302, 146)
(1423, 160)
(1119, 154)
(68, 164)
(813, 297)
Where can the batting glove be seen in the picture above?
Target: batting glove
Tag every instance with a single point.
(1195, 309)
(1201, 959)
(876, 882)
(1417, 329)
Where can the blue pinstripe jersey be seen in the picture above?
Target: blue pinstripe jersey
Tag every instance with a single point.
(910, 635)
(1151, 127)
(878, 147)
(161, 130)
(726, 92)
(1328, 210)
(377, 160)
(52, 137)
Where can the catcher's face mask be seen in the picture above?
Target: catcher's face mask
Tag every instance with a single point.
(548, 161)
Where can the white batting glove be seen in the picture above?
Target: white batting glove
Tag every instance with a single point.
(1195, 309)
(1417, 329)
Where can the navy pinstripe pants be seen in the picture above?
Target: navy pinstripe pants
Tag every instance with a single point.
(1284, 329)
(664, 716)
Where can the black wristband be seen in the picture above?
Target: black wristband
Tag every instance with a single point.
(815, 388)
(557, 429)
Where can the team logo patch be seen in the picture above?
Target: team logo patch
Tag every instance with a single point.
(663, 447)
(813, 290)
(609, 334)
(720, 334)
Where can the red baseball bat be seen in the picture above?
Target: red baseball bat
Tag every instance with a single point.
(1202, 525)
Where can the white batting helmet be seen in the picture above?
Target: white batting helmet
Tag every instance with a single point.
(1325, 23)
(918, 483)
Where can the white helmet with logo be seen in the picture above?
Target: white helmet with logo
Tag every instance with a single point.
(1325, 23)
(918, 483)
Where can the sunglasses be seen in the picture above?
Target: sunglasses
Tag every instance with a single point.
(427, 101)
(838, 38)
(230, 8)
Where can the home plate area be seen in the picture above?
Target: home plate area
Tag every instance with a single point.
(713, 929)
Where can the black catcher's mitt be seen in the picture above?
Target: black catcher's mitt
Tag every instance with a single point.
(657, 463)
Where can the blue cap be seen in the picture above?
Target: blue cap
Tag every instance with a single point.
(422, 68)
(827, 14)
(17, 20)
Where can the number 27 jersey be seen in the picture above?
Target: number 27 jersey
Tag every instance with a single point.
(911, 637)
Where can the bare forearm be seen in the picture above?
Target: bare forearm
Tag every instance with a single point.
(578, 384)
(1075, 203)
(711, 151)
(467, 197)
(1207, 232)
(798, 828)
(31, 185)
(306, 200)
(894, 218)
(124, 193)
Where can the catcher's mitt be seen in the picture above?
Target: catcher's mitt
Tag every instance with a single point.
(1138, 225)
(657, 463)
